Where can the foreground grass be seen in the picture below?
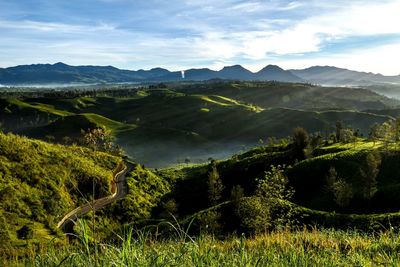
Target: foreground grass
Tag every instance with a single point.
(281, 248)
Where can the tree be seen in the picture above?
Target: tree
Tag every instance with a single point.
(374, 133)
(187, 160)
(341, 190)
(274, 186)
(346, 136)
(101, 140)
(271, 141)
(254, 216)
(368, 174)
(237, 193)
(266, 209)
(339, 127)
(214, 183)
(300, 142)
(315, 140)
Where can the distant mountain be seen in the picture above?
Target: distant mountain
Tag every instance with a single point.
(200, 74)
(235, 72)
(273, 72)
(327, 75)
(63, 73)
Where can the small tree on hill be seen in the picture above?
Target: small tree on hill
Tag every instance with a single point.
(339, 127)
(187, 160)
(368, 174)
(263, 211)
(315, 140)
(342, 191)
(300, 142)
(374, 133)
(215, 186)
(237, 193)
(346, 136)
(101, 140)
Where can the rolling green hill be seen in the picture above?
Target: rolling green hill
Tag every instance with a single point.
(159, 127)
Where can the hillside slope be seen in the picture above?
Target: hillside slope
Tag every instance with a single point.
(40, 182)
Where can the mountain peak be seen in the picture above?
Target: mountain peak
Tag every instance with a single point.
(234, 67)
(271, 68)
(60, 64)
(276, 73)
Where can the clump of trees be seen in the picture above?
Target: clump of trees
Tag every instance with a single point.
(263, 211)
(341, 190)
(387, 132)
(215, 185)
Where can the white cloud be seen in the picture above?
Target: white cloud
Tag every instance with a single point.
(207, 33)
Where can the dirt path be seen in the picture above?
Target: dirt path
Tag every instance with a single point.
(120, 192)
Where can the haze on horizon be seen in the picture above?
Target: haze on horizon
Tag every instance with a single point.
(182, 34)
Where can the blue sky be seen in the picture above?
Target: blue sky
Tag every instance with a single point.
(179, 34)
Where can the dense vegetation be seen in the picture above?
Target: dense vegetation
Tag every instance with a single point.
(339, 184)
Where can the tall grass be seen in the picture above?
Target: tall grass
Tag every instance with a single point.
(281, 248)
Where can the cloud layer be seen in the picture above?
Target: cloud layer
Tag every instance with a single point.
(362, 35)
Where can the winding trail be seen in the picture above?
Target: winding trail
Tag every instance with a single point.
(121, 190)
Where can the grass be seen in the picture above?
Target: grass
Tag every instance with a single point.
(41, 107)
(280, 248)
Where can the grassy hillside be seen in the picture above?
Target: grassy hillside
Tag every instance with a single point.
(40, 182)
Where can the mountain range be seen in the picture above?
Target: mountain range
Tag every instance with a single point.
(61, 73)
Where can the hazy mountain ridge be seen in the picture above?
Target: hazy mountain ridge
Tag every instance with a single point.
(328, 75)
(60, 73)
(63, 73)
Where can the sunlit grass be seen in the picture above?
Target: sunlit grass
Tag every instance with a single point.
(281, 248)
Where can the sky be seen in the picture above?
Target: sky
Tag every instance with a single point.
(183, 34)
